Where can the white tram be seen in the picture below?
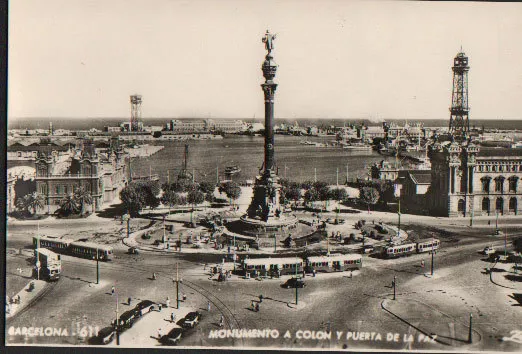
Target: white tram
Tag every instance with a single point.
(394, 251)
(333, 263)
(428, 245)
(50, 264)
(272, 266)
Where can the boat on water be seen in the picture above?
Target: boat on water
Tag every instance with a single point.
(357, 146)
(232, 170)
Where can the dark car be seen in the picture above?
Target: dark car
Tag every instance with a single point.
(106, 335)
(294, 283)
(191, 319)
(128, 318)
(173, 337)
(145, 306)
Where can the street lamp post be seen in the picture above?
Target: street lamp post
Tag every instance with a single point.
(432, 259)
(394, 287)
(38, 253)
(97, 267)
(177, 286)
(470, 336)
(296, 287)
(117, 327)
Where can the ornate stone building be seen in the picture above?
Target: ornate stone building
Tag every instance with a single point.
(470, 180)
(101, 173)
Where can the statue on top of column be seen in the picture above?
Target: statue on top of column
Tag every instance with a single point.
(268, 40)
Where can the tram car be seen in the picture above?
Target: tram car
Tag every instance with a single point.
(272, 266)
(54, 244)
(405, 249)
(75, 248)
(89, 249)
(395, 251)
(428, 245)
(333, 263)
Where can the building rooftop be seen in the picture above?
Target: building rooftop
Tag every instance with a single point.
(421, 177)
(499, 152)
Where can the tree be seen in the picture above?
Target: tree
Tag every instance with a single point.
(82, 197)
(195, 197)
(68, 205)
(170, 198)
(231, 189)
(292, 191)
(311, 196)
(133, 199)
(338, 194)
(307, 185)
(30, 203)
(369, 196)
(207, 187)
(140, 194)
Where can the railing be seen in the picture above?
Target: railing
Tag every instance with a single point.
(68, 176)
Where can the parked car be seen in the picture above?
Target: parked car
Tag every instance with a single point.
(367, 249)
(173, 337)
(488, 250)
(145, 306)
(128, 318)
(191, 319)
(106, 335)
(294, 283)
(133, 250)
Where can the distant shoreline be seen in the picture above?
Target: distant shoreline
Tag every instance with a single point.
(98, 123)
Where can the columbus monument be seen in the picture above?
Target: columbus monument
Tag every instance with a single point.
(265, 218)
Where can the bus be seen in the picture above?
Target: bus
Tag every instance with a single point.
(333, 263)
(50, 264)
(272, 266)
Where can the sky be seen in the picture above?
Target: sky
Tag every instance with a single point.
(337, 59)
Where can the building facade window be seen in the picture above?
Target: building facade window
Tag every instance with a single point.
(461, 206)
(513, 182)
(499, 205)
(485, 205)
(486, 181)
(499, 184)
(513, 204)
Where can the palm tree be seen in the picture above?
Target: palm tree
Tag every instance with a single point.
(82, 197)
(68, 205)
(34, 201)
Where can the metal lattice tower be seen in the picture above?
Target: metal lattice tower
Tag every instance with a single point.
(459, 119)
(135, 101)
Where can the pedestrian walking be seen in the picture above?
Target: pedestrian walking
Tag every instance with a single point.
(18, 300)
(112, 290)
(172, 317)
(422, 264)
(257, 307)
(208, 306)
(261, 298)
(221, 321)
(159, 307)
(154, 276)
(160, 334)
(129, 301)
(167, 302)
(351, 274)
